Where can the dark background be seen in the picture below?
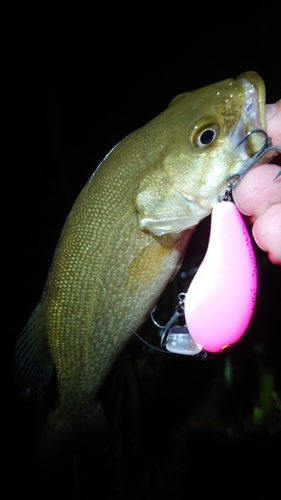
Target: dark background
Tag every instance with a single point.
(76, 84)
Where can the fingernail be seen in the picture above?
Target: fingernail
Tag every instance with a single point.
(271, 109)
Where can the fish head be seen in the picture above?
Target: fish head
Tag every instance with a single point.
(198, 150)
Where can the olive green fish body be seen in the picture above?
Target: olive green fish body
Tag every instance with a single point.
(113, 273)
(127, 233)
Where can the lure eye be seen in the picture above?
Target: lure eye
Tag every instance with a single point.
(206, 136)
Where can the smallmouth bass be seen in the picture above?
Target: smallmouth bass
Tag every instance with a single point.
(125, 239)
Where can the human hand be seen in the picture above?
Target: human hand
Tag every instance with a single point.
(259, 197)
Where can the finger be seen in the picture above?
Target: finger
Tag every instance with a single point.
(274, 122)
(267, 232)
(258, 190)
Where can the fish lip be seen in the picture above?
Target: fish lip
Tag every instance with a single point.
(252, 78)
(253, 114)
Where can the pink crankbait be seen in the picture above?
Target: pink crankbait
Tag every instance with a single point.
(220, 301)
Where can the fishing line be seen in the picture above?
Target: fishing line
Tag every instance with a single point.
(150, 345)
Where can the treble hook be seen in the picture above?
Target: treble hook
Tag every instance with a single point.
(179, 311)
(264, 149)
(256, 131)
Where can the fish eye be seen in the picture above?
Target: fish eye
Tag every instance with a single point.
(206, 136)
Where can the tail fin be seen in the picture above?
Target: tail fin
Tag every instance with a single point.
(63, 437)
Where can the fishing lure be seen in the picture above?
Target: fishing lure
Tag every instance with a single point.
(221, 298)
(220, 301)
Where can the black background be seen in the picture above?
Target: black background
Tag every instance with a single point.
(77, 83)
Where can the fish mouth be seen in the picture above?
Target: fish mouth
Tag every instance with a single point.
(252, 115)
